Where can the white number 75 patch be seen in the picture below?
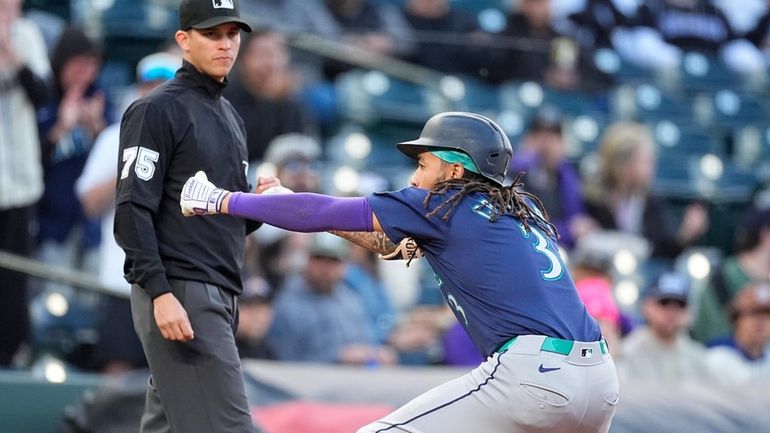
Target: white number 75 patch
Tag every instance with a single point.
(145, 162)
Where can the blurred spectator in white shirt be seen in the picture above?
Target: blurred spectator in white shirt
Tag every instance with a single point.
(745, 356)
(24, 87)
(661, 350)
(667, 29)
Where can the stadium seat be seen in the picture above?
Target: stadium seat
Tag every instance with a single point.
(751, 146)
(570, 102)
(583, 133)
(381, 136)
(57, 7)
(526, 96)
(737, 184)
(710, 176)
(675, 141)
(731, 109)
(650, 103)
(476, 95)
(133, 29)
(141, 19)
(521, 97)
(366, 96)
(610, 62)
(673, 178)
(698, 72)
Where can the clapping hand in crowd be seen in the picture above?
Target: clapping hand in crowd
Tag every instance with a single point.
(9, 58)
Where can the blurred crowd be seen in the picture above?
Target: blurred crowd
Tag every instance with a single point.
(314, 298)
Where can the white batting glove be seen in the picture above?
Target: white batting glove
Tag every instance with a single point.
(201, 197)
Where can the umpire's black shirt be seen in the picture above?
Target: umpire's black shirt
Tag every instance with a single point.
(183, 126)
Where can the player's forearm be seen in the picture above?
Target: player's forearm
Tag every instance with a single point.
(373, 241)
(302, 212)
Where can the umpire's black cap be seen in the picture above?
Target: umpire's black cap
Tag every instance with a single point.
(204, 14)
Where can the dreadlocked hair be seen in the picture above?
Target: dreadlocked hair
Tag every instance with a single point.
(503, 199)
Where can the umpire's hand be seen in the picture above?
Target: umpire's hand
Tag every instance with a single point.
(171, 318)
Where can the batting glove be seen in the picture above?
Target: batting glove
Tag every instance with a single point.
(201, 197)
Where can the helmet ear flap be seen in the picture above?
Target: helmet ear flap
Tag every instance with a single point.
(500, 155)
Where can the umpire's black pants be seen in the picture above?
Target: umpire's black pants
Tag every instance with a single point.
(195, 386)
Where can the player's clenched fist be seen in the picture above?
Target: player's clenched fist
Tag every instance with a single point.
(200, 197)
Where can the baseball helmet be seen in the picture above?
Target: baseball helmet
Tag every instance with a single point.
(482, 139)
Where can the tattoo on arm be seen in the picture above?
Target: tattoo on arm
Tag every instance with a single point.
(372, 241)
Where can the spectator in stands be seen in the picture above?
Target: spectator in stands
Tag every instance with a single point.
(68, 127)
(448, 40)
(597, 22)
(118, 349)
(458, 347)
(425, 334)
(415, 333)
(744, 356)
(749, 263)
(745, 18)
(51, 24)
(660, 350)
(531, 49)
(551, 176)
(291, 16)
(255, 316)
(272, 252)
(264, 92)
(24, 87)
(362, 275)
(591, 268)
(302, 18)
(373, 27)
(318, 318)
(666, 29)
(619, 196)
(759, 34)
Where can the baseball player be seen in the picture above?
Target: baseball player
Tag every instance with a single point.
(186, 274)
(495, 258)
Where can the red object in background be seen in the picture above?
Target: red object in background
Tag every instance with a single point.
(316, 417)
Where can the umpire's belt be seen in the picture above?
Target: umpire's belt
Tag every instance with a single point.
(556, 345)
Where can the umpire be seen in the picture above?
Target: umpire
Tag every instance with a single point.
(185, 272)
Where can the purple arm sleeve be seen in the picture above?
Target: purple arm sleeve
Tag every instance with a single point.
(304, 212)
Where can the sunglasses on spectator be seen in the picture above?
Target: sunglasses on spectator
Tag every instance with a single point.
(665, 302)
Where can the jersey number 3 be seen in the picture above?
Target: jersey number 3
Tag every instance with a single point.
(541, 245)
(556, 268)
(145, 162)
